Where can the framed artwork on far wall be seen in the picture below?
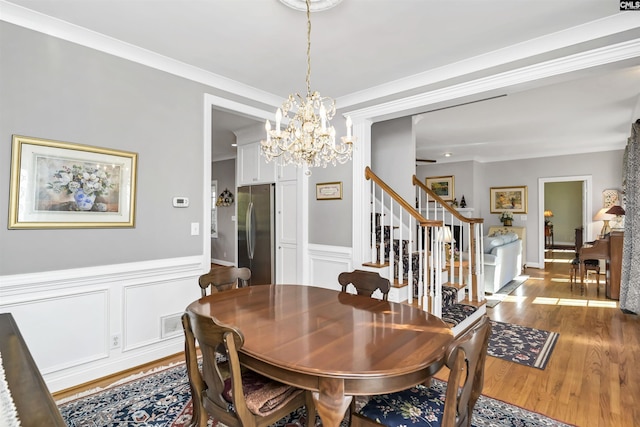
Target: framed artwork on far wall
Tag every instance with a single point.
(512, 199)
(329, 191)
(58, 184)
(443, 186)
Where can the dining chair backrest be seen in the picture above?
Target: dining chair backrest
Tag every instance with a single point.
(465, 359)
(365, 282)
(224, 278)
(222, 389)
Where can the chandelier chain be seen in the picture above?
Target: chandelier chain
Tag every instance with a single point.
(308, 48)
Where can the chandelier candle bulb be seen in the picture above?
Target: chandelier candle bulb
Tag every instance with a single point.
(278, 120)
(267, 127)
(349, 124)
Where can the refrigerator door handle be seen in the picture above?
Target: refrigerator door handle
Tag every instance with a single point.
(250, 221)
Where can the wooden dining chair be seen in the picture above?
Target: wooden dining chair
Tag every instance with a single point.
(423, 406)
(224, 278)
(365, 282)
(231, 394)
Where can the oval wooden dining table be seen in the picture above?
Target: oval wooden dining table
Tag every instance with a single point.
(334, 343)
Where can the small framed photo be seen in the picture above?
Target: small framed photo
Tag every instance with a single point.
(512, 199)
(329, 191)
(63, 185)
(442, 186)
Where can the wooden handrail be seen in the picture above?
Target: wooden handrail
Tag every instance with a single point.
(368, 174)
(438, 199)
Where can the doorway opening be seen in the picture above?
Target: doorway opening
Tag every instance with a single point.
(570, 196)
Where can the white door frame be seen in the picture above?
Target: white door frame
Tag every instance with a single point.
(587, 185)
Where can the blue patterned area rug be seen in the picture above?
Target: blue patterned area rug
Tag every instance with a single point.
(520, 344)
(163, 399)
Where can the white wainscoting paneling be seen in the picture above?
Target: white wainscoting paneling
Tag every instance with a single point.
(71, 318)
(159, 299)
(326, 263)
(65, 330)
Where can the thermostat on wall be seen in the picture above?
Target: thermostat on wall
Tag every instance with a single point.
(180, 202)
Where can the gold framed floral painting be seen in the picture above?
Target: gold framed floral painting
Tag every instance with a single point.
(58, 184)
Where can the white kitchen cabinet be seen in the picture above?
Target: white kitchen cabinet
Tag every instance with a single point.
(287, 257)
(286, 173)
(252, 166)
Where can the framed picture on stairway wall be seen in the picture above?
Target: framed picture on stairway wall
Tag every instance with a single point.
(442, 186)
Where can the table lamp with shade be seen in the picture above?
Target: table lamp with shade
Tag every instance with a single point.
(618, 211)
(547, 216)
(604, 216)
(447, 238)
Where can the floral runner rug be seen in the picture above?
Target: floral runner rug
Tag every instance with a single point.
(520, 344)
(162, 398)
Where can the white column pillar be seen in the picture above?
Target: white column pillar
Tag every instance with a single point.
(361, 211)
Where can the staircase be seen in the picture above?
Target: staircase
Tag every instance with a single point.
(410, 246)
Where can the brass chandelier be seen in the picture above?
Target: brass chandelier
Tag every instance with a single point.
(308, 139)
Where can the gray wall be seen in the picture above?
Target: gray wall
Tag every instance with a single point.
(603, 167)
(330, 220)
(393, 157)
(58, 90)
(223, 248)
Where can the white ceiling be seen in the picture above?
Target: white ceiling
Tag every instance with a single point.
(365, 52)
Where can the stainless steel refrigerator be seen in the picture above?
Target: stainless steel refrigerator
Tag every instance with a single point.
(256, 207)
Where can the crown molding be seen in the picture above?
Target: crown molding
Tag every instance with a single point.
(580, 61)
(54, 27)
(585, 33)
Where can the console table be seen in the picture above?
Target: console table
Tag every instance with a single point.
(31, 397)
(548, 235)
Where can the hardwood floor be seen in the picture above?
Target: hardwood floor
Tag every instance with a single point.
(593, 376)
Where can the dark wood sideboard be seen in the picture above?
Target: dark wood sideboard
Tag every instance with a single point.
(30, 394)
(615, 264)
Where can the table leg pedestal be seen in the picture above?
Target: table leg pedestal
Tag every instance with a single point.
(330, 401)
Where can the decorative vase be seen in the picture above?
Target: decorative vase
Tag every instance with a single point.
(83, 201)
(507, 223)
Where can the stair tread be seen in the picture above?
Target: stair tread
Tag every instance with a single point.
(457, 286)
(474, 303)
(397, 284)
(376, 264)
